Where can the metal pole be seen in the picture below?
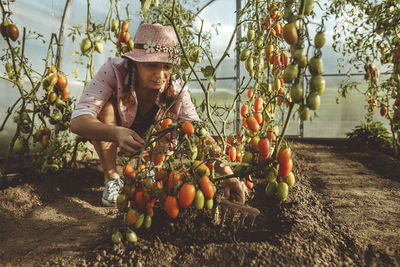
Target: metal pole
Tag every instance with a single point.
(67, 11)
(238, 37)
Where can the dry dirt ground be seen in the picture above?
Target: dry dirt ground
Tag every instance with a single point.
(344, 210)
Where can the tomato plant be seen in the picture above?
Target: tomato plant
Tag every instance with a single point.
(378, 45)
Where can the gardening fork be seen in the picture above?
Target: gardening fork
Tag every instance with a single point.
(235, 207)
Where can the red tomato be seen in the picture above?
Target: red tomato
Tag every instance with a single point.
(232, 153)
(285, 168)
(62, 82)
(174, 177)
(264, 147)
(274, 11)
(284, 155)
(172, 206)
(188, 128)
(140, 200)
(207, 187)
(186, 195)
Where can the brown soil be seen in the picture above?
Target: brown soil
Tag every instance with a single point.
(344, 210)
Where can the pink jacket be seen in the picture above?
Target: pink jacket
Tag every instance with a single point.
(111, 79)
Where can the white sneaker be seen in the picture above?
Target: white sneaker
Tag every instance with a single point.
(111, 191)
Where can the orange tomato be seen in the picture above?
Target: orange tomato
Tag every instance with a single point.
(258, 104)
(52, 69)
(207, 187)
(129, 171)
(165, 123)
(186, 195)
(62, 82)
(285, 59)
(244, 122)
(187, 127)
(250, 93)
(252, 124)
(124, 37)
(174, 176)
(276, 60)
(125, 26)
(244, 110)
(65, 93)
(131, 217)
(264, 147)
(232, 153)
(274, 11)
(258, 116)
(140, 200)
(172, 206)
(278, 28)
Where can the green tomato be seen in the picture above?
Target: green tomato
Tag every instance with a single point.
(296, 93)
(308, 7)
(272, 174)
(139, 221)
(250, 35)
(315, 65)
(209, 203)
(116, 237)
(131, 236)
(304, 113)
(85, 46)
(319, 40)
(114, 25)
(290, 73)
(282, 191)
(313, 101)
(199, 199)
(317, 84)
(19, 145)
(99, 47)
(147, 222)
(244, 54)
(248, 157)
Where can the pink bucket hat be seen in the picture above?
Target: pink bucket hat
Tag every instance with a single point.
(155, 43)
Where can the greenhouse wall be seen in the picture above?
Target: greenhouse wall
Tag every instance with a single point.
(332, 120)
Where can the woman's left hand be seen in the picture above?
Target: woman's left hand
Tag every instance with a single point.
(234, 190)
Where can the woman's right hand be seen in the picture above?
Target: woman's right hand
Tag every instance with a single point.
(128, 140)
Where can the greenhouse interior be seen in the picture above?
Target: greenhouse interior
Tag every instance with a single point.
(200, 133)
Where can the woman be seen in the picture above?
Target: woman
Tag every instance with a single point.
(127, 93)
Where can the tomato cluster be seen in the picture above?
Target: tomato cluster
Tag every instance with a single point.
(9, 30)
(124, 42)
(58, 108)
(167, 179)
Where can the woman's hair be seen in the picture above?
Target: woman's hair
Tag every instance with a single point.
(167, 96)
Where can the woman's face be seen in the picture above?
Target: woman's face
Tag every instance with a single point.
(153, 75)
